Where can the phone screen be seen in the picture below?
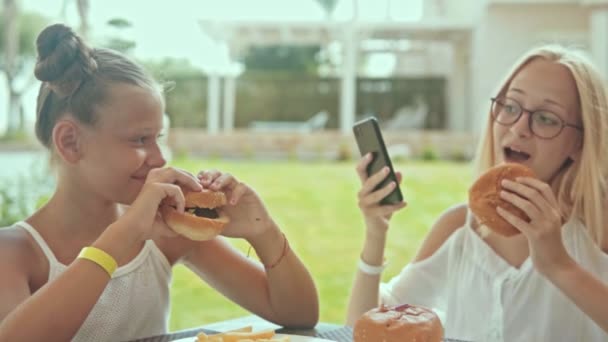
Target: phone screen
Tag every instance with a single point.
(369, 139)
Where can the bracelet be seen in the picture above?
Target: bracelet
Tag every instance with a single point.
(369, 269)
(100, 257)
(283, 254)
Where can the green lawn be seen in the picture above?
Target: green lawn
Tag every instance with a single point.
(315, 205)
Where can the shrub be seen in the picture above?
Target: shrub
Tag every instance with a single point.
(21, 196)
(429, 154)
(345, 152)
(459, 155)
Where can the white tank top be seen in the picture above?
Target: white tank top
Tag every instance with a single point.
(134, 304)
(480, 297)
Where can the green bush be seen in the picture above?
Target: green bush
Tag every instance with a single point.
(15, 137)
(293, 96)
(429, 154)
(459, 155)
(19, 197)
(345, 152)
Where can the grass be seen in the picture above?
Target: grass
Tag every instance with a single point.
(315, 204)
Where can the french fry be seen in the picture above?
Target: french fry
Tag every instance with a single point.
(239, 336)
(244, 334)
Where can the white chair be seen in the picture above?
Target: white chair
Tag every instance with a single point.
(409, 117)
(316, 123)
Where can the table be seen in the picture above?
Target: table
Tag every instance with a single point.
(334, 332)
(330, 331)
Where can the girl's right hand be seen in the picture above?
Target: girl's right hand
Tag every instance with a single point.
(162, 186)
(376, 216)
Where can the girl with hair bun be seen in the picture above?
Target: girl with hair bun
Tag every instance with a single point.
(549, 280)
(94, 263)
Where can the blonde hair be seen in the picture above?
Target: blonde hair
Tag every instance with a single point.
(581, 186)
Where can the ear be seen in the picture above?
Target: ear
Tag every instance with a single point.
(67, 140)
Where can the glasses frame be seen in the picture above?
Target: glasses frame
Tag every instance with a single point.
(496, 101)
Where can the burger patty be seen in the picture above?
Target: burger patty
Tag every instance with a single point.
(203, 212)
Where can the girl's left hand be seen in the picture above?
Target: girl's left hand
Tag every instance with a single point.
(247, 213)
(537, 200)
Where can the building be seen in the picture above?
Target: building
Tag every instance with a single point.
(471, 42)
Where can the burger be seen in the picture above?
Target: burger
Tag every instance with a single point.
(484, 198)
(202, 218)
(403, 323)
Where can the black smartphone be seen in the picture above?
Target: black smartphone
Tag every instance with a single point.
(369, 139)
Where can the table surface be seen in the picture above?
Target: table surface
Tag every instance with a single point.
(334, 332)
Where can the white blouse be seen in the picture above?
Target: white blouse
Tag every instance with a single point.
(480, 297)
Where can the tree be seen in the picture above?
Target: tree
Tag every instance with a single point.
(326, 64)
(169, 68)
(82, 6)
(117, 42)
(83, 14)
(328, 6)
(17, 57)
(282, 58)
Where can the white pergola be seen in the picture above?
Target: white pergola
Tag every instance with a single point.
(239, 35)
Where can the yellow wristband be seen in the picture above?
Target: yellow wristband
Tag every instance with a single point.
(100, 257)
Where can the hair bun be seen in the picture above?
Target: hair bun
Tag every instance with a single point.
(64, 60)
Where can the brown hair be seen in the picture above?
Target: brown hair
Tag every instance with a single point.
(75, 78)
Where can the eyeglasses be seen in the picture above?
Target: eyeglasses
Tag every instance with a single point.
(542, 123)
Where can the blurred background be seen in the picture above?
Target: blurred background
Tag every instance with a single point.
(256, 87)
(303, 66)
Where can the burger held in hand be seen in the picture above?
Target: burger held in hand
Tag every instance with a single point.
(403, 323)
(484, 197)
(202, 218)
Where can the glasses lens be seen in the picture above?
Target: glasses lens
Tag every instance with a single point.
(546, 124)
(506, 111)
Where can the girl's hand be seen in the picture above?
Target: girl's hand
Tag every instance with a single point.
(162, 186)
(543, 232)
(247, 213)
(376, 216)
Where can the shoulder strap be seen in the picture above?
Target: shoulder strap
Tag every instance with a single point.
(39, 240)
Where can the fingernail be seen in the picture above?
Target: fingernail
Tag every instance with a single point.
(385, 170)
(233, 201)
(393, 184)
